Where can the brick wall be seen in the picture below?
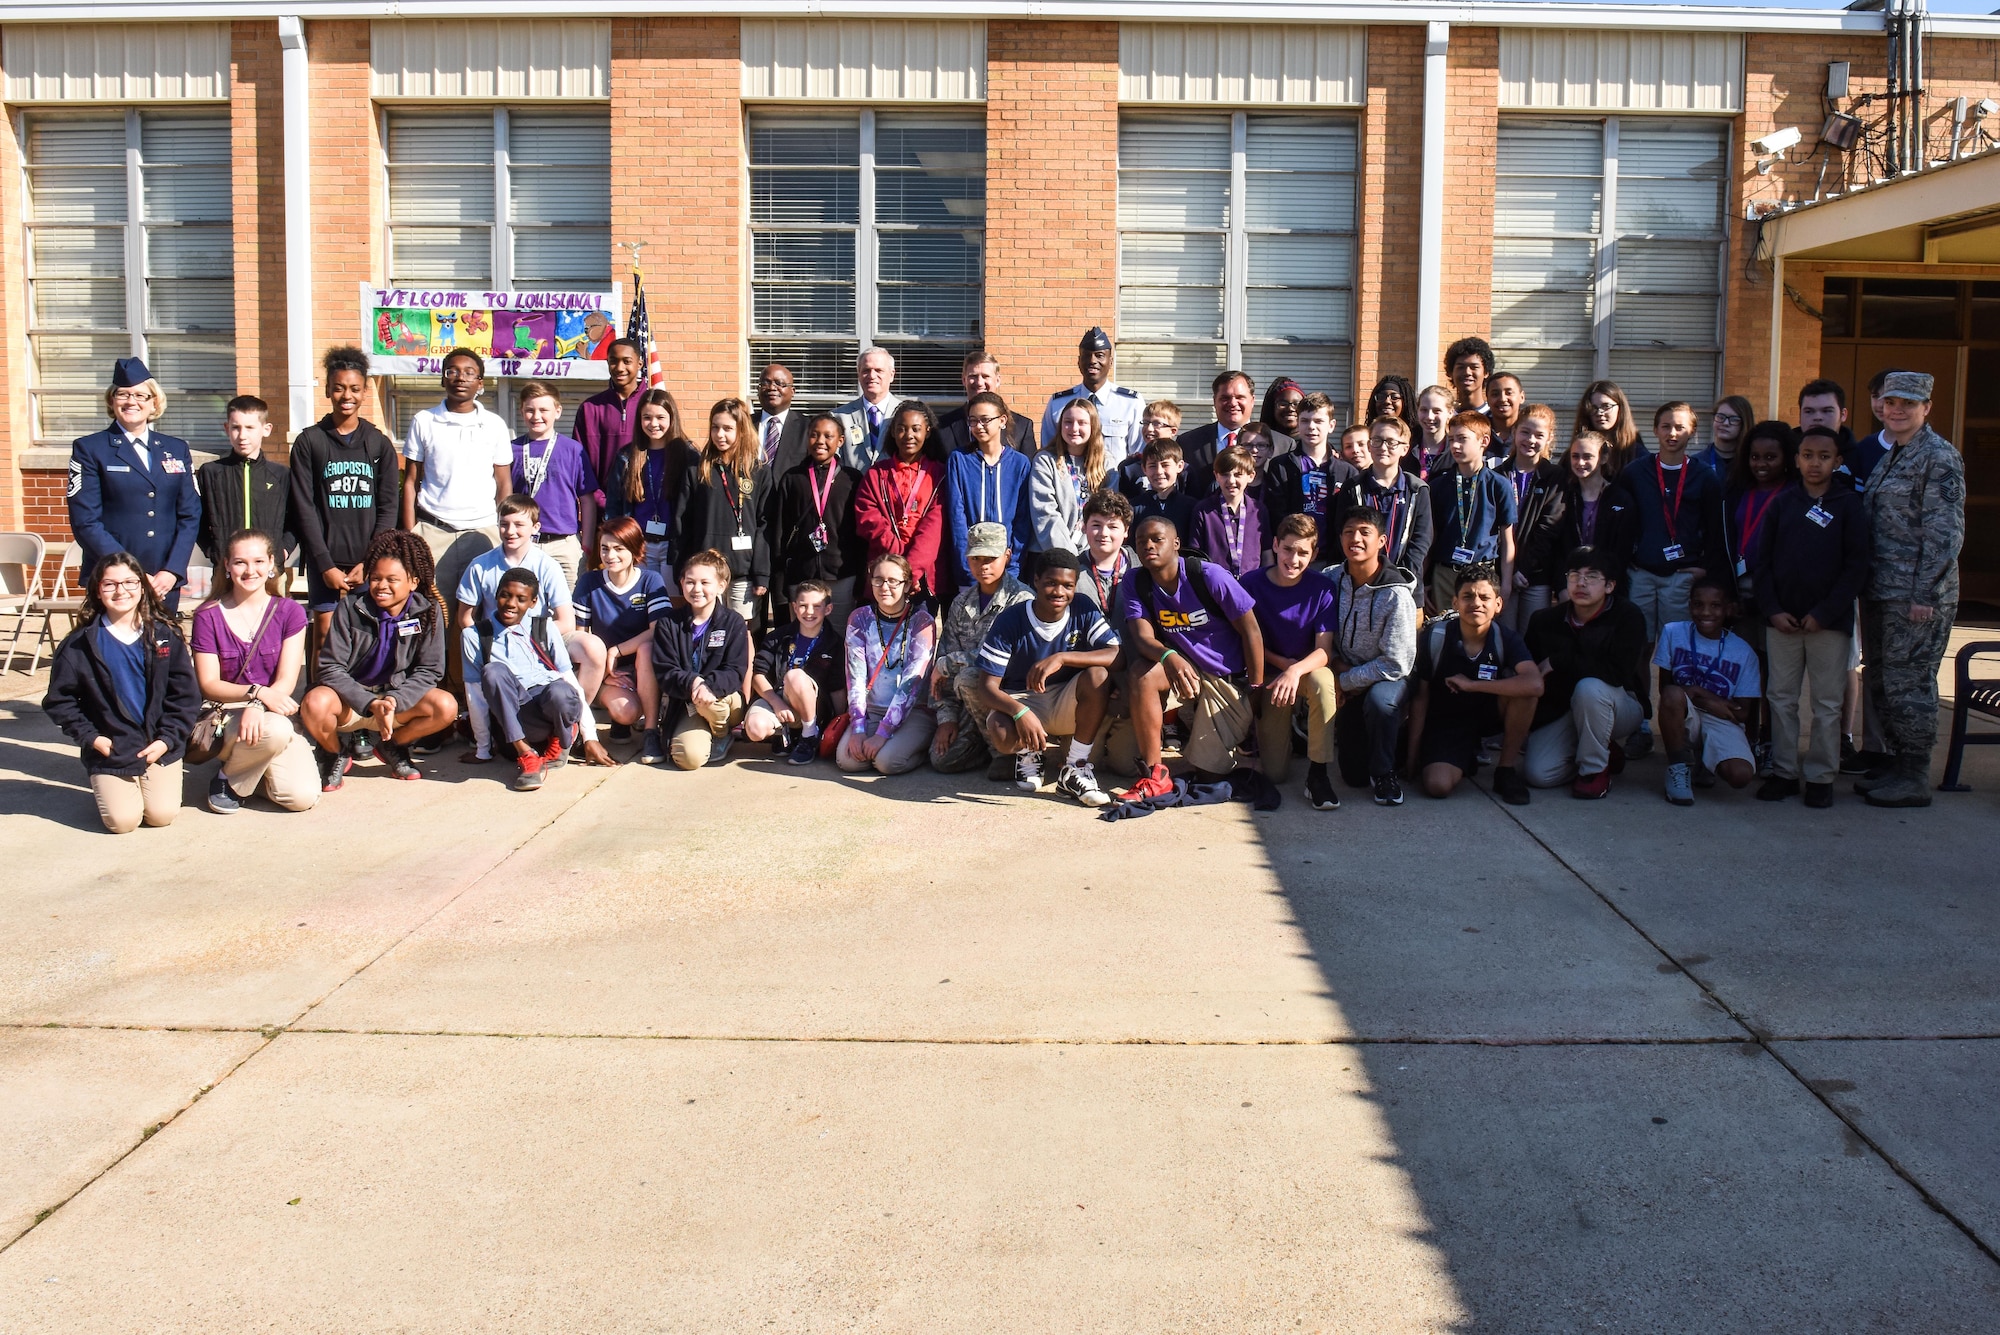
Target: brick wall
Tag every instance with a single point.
(1784, 77)
(1472, 127)
(347, 203)
(676, 116)
(257, 148)
(1392, 144)
(1051, 198)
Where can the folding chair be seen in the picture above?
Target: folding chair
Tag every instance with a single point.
(20, 584)
(63, 602)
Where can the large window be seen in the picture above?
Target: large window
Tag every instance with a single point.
(130, 254)
(867, 229)
(1204, 284)
(448, 175)
(1638, 299)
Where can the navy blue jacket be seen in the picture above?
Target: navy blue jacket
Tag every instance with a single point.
(1699, 529)
(720, 659)
(1809, 569)
(118, 504)
(83, 700)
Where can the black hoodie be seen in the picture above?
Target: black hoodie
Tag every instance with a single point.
(343, 495)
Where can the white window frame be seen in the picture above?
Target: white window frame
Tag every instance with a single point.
(137, 275)
(1236, 233)
(865, 230)
(1605, 242)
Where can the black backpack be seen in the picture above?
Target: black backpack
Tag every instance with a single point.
(1142, 583)
(538, 633)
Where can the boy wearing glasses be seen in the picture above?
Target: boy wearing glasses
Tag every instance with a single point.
(460, 462)
(986, 484)
(1592, 653)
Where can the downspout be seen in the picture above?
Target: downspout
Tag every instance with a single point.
(298, 226)
(1430, 243)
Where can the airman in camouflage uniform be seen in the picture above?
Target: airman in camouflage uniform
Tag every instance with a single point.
(1916, 505)
(960, 743)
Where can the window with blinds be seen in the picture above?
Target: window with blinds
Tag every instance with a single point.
(1269, 286)
(867, 229)
(130, 254)
(446, 172)
(1608, 248)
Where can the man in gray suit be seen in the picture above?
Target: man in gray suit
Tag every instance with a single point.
(866, 419)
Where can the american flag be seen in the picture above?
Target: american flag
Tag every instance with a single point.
(640, 329)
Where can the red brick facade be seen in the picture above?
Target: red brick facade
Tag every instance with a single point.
(1051, 197)
(257, 138)
(1472, 126)
(1386, 260)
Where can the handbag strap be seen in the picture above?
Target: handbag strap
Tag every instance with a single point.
(256, 641)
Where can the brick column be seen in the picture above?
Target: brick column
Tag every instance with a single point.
(257, 152)
(677, 184)
(347, 201)
(1392, 147)
(1051, 198)
(1472, 129)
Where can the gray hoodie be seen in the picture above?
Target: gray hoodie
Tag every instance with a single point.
(1375, 627)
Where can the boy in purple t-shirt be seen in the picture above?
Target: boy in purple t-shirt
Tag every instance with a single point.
(1295, 612)
(554, 470)
(1192, 636)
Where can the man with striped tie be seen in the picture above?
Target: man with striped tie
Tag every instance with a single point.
(866, 419)
(781, 433)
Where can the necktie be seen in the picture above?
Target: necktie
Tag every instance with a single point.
(771, 430)
(1228, 439)
(874, 428)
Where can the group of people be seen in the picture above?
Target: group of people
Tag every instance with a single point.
(1429, 589)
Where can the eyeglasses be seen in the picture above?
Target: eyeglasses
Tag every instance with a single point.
(887, 582)
(461, 371)
(981, 421)
(132, 396)
(119, 586)
(1585, 577)
(1727, 417)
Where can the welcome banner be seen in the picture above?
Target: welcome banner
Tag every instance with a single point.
(521, 335)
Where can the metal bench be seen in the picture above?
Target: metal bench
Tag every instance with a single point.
(1970, 695)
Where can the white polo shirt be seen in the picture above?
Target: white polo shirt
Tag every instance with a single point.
(459, 452)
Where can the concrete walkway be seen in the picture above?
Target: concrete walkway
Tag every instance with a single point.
(763, 1048)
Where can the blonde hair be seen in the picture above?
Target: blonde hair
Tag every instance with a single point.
(151, 386)
(1095, 465)
(742, 459)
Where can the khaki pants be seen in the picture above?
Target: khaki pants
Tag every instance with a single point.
(567, 553)
(1222, 719)
(1822, 656)
(122, 801)
(1054, 708)
(451, 553)
(694, 736)
(1274, 725)
(282, 761)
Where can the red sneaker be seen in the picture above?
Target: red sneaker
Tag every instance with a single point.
(555, 755)
(1156, 783)
(530, 777)
(1590, 787)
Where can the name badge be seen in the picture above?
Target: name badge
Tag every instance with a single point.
(117, 468)
(655, 529)
(409, 626)
(1742, 567)
(1671, 552)
(740, 543)
(1487, 672)
(1461, 556)
(1819, 516)
(173, 465)
(716, 639)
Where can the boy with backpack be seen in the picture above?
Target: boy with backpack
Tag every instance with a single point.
(525, 680)
(1474, 677)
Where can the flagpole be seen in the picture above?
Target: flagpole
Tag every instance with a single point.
(639, 324)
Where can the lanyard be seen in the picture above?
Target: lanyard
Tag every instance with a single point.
(1750, 522)
(1104, 589)
(908, 513)
(535, 467)
(802, 650)
(1467, 502)
(1075, 471)
(736, 496)
(653, 483)
(821, 495)
(900, 635)
(1232, 533)
(1524, 480)
(1395, 509)
(1671, 516)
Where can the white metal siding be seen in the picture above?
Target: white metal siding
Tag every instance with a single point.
(864, 60)
(1305, 65)
(116, 62)
(1620, 71)
(512, 59)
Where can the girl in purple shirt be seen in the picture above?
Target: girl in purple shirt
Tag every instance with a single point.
(249, 648)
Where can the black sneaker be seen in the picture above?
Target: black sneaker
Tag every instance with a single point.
(621, 732)
(423, 746)
(781, 741)
(1510, 787)
(333, 767)
(1388, 790)
(805, 750)
(1319, 791)
(222, 799)
(1864, 762)
(396, 759)
(1819, 795)
(1777, 788)
(361, 746)
(1639, 745)
(718, 750)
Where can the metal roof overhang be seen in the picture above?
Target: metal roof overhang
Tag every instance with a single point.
(1947, 215)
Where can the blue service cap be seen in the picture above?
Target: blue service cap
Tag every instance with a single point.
(1095, 341)
(127, 372)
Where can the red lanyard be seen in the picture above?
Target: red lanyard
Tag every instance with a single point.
(908, 512)
(1750, 522)
(732, 494)
(820, 497)
(1673, 516)
(1104, 590)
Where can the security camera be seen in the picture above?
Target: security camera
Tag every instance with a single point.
(1984, 107)
(1777, 141)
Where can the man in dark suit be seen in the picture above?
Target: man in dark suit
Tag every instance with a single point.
(781, 431)
(981, 375)
(131, 488)
(1235, 396)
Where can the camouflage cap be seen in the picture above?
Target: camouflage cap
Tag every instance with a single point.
(986, 540)
(1912, 385)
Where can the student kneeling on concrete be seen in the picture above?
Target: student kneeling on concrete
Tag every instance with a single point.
(1192, 636)
(1592, 652)
(524, 679)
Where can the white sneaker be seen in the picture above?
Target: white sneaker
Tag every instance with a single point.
(1080, 782)
(1028, 771)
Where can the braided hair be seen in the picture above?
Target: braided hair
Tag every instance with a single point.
(414, 555)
